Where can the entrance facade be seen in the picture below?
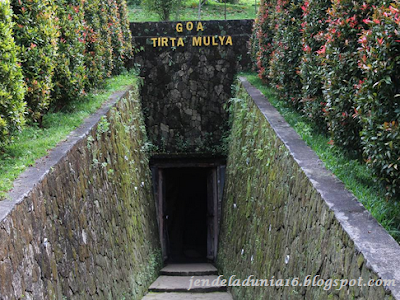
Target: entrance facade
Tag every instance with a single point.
(188, 194)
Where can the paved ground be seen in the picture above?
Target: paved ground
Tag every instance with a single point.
(176, 279)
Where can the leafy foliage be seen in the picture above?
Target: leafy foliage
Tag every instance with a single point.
(53, 52)
(378, 97)
(12, 88)
(287, 51)
(313, 28)
(95, 47)
(127, 52)
(117, 36)
(36, 33)
(163, 8)
(341, 72)
(70, 76)
(262, 39)
(345, 77)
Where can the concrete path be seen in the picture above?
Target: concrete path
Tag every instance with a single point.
(176, 279)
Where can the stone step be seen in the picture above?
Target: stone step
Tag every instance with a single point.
(188, 296)
(189, 270)
(183, 283)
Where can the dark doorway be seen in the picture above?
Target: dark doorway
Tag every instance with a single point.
(186, 214)
(188, 192)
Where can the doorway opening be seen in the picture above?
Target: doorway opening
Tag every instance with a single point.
(186, 214)
(188, 193)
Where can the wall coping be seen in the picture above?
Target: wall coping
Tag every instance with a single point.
(34, 175)
(380, 250)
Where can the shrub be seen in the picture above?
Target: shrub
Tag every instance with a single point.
(70, 76)
(12, 88)
(106, 36)
(36, 33)
(287, 51)
(341, 72)
(254, 43)
(95, 44)
(126, 31)
(262, 39)
(313, 30)
(378, 98)
(117, 37)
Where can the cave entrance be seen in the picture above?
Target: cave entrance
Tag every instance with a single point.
(188, 197)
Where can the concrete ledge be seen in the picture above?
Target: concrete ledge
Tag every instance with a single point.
(380, 250)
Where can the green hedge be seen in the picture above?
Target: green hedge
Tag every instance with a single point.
(126, 31)
(313, 26)
(70, 77)
(117, 37)
(341, 72)
(262, 40)
(36, 33)
(338, 63)
(53, 52)
(287, 51)
(378, 97)
(12, 105)
(95, 47)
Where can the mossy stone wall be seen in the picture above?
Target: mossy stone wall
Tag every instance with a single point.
(285, 216)
(81, 223)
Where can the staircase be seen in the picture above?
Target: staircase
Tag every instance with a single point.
(176, 279)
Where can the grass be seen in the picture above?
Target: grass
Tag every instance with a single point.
(246, 9)
(34, 142)
(356, 176)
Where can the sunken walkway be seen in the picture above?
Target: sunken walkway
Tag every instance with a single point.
(176, 279)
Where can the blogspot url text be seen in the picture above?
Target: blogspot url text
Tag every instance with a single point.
(309, 280)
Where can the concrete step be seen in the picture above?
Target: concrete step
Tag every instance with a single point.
(188, 296)
(189, 270)
(183, 283)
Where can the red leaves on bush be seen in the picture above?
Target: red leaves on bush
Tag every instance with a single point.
(346, 54)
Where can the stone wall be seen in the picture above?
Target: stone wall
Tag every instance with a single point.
(80, 224)
(286, 216)
(185, 87)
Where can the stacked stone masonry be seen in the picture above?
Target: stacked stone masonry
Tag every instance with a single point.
(80, 224)
(285, 215)
(185, 87)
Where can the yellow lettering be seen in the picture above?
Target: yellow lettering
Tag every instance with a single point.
(200, 27)
(154, 41)
(179, 27)
(229, 41)
(189, 26)
(206, 40)
(221, 39)
(164, 42)
(196, 41)
(214, 43)
(173, 41)
(180, 42)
